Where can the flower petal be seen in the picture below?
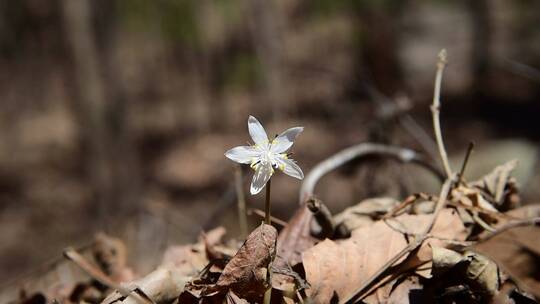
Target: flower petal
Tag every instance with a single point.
(242, 154)
(256, 131)
(285, 140)
(263, 172)
(289, 167)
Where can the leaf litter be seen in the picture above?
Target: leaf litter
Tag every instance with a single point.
(458, 261)
(469, 255)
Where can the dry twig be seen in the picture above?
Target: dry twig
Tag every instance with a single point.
(465, 161)
(435, 110)
(261, 214)
(409, 200)
(92, 270)
(98, 275)
(510, 225)
(363, 149)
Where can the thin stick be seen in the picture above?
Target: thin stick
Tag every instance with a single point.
(420, 135)
(262, 214)
(389, 108)
(465, 161)
(98, 275)
(267, 203)
(92, 270)
(241, 201)
(417, 241)
(510, 225)
(435, 110)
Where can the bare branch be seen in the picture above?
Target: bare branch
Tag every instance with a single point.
(435, 110)
(360, 150)
(420, 135)
(465, 161)
(510, 225)
(262, 215)
(98, 275)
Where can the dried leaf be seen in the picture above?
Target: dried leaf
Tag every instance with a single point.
(211, 241)
(447, 227)
(363, 213)
(444, 259)
(294, 239)
(484, 272)
(342, 266)
(161, 286)
(402, 291)
(480, 273)
(180, 264)
(246, 272)
(516, 250)
(395, 291)
(471, 197)
(188, 260)
(496, 181)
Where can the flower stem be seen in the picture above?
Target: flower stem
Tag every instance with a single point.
(267, 203)
(241, 201)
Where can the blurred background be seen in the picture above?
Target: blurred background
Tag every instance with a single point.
(115, 114)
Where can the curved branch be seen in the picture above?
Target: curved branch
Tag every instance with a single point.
(364, 149)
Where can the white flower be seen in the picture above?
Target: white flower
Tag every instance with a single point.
(265, 154)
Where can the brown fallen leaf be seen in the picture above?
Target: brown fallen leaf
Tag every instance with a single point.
(401, 293)
(447, 229)
(394, 290)
(179, 266)
(496, 182)
(214, 252)
(515, 251)
(160, 286)
(471, 197)
(444, 259)
(477, 272)
(483, 272)
(188, 260)
(294, 239)
(365, 212)
(341, 266)
(246, 273)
